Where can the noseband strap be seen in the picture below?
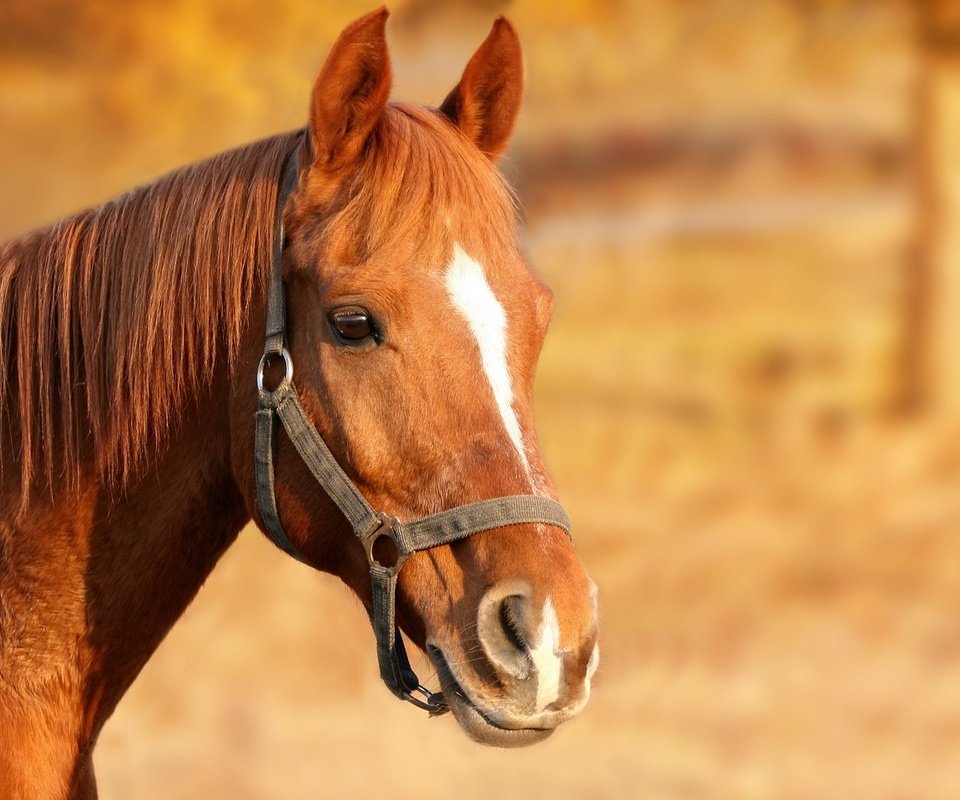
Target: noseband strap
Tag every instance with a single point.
(370, 526)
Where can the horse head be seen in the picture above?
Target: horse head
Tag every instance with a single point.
(415, 326)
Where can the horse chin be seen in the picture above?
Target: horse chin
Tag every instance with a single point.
(477, 725)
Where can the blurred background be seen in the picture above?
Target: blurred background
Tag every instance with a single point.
(750, 214)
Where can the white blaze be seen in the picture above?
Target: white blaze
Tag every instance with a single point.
(475, 300)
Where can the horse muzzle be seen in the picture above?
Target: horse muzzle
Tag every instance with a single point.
(527, 683)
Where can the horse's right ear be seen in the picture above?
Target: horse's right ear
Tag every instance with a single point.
(351, 92)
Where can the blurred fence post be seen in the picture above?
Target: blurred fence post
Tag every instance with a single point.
(932, 346)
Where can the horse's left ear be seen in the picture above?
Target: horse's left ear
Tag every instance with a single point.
(351, 92)
(485, 103)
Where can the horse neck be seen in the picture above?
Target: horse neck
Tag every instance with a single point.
(115, 568)
(151, 548)
(95, 580)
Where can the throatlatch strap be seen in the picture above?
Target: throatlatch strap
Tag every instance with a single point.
(266, 497)
(276, 308)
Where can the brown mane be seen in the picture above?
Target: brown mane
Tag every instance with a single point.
(112, 318)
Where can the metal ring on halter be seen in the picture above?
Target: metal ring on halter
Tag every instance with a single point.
(287, 363)
(386, 529)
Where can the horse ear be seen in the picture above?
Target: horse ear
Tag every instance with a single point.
(485, 103)
(351, 91)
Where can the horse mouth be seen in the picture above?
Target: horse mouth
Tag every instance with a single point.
(473, 720)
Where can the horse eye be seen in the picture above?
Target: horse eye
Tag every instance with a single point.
(352, 324)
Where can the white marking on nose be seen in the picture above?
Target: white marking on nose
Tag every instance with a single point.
(545, 654)
(475, 300)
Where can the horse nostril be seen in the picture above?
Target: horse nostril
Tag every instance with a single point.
(503, 626)
(511, 616)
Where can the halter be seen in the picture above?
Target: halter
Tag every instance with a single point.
(369, 525)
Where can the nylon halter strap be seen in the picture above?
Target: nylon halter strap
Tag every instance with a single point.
(369, 525)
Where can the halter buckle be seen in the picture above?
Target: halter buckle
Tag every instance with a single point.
(388, 528)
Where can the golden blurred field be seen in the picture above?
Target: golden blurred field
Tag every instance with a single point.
(722, 196)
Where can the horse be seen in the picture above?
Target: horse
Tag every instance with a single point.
(139, 414)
